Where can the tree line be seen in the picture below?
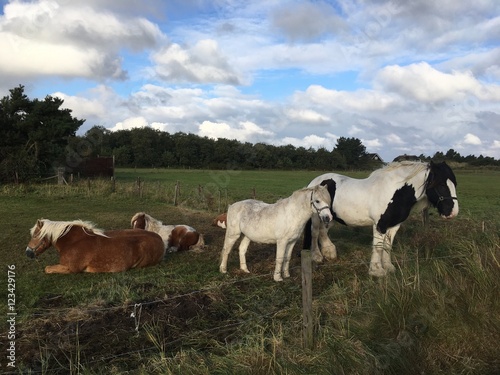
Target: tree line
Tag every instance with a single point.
(38, 136)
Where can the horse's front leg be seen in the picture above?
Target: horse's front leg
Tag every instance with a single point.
(381, 263)
(57, 268)
(386, 255)
(328, 249)
(376, 268)
(280, 257)
(315, 249)
(243, 250)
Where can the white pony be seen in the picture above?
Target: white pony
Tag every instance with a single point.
(280, 223)
(383, 200)
(175, 237)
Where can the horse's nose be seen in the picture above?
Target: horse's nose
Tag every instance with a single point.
(30, 253)
(326, 219)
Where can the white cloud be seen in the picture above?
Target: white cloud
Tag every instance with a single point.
(69, 40)
(471, 139)
(306, 116)
(244, 131)
(201, 63)
(312, 141)
(423, 83)
(130, 123)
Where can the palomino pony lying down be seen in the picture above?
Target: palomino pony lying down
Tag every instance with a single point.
(280, 223)
(175, 237)
(84, 248)
(383, 201)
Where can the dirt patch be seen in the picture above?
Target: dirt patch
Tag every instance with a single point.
(91, 336)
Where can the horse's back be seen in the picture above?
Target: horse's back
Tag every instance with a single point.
(128, 248)
(261, 222)
(354, 198)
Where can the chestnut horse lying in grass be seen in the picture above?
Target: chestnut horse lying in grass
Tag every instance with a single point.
(84, 248)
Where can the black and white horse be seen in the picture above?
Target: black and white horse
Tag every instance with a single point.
(384, 201)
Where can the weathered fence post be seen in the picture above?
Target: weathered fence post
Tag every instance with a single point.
(60, 176)
(220, 199)
(307, 321)
(176, 192)
(425, 217)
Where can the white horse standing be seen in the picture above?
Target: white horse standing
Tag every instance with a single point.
(280, 223)
(383, 200)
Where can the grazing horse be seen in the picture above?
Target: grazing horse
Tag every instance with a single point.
(383, 200)
(84, 248)
(280, 223)
(220, 221)
(175, 237)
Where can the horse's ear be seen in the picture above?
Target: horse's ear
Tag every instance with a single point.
(39, 223)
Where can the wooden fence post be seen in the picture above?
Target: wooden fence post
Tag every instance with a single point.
(425, 217)
(176, 193)
(307, 325)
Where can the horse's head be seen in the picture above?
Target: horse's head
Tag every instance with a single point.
(321, 203)
(38, 243)
(441, 189)
(138, 220)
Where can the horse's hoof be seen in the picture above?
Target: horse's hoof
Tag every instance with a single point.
(330, 253)
(317, 258)
(278, 278)
(389, 267)
(222, 270)
(377, 272)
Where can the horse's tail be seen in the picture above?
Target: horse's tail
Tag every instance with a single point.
(306, 245)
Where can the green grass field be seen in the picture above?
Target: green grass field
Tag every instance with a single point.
(438, 314)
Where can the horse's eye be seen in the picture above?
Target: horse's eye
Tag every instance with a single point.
(317, 201)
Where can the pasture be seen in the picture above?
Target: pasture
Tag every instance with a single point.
(437, 314)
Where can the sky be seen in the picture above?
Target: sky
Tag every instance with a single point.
(403, 76)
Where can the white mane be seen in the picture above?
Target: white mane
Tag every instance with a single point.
(56, 229)
(413, 168)
(152, 224)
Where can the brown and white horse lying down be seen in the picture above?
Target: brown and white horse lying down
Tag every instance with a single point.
(175, 237)
(220, 221)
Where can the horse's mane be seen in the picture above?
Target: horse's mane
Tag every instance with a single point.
(413, 167)
(152, 224)
(56, 229)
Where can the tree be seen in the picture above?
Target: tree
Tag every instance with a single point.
(352, 150)
(33, 135)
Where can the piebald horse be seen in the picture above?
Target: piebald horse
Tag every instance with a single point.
(280, 223)
(84, 248)
(384, 200)
(175, 237)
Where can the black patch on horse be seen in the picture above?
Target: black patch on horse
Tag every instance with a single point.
(331, 186)
(398, 208)
(437, 190)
